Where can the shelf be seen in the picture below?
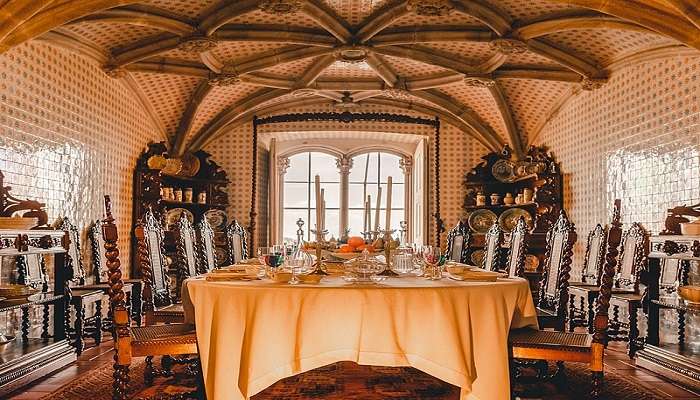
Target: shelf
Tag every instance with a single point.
(500, 206)
(194, 180)
(191, 205)
(497, 182)
(35, 299)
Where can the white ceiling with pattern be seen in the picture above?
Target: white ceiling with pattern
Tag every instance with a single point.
(496, 69)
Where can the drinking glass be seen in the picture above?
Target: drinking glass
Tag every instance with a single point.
(274, 257)
(432, 258)
(418, 263)
(298, 262)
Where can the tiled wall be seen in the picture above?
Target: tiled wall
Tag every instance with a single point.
(69, 135)
(637, 138)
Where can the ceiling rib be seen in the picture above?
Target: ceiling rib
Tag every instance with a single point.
(567, 23)
(565, 58)
(141, 17)
(223, 15)
(183, 128)
(314, 71)
(327, 19)
(516, 142)
(419, 35)
(486, 13)
(689, 8)
(17, 12)
(381, 68)
(274, 34)
(380, 19)
(428, 56)
(279, 56)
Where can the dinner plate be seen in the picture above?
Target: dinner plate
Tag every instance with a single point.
(531, 262)
(503, 170)
(190, 165)
(509, 219)
(481, 220)
(173, 215)
(216, 219)
(477, 257)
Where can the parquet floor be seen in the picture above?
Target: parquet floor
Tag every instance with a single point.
(616, 358)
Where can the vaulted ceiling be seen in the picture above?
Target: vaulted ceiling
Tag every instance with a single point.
(496, 69)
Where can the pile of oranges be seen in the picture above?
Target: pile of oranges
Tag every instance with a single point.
(355, 245)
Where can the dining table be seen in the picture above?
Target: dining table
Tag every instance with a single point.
(253, 333)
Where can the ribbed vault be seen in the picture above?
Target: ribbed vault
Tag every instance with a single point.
(495, 69)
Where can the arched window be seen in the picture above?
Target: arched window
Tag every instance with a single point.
(298, 196)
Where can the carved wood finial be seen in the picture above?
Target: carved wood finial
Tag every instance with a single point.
(197, 44)
(600, 322)
(430, 8)
(479, 81)
(508, 46)
(351, 54)
(223, 79)
(280, 7)
(589, 83)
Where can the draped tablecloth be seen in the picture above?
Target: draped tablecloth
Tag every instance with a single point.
(252, 334)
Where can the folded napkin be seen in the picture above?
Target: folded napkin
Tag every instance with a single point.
(477, 276)
(230, 276)
(458, 268)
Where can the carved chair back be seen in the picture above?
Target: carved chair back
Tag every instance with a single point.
(518, 247)
(31, 271)
(633, 254)
(602, 306)
(458, 243)
(492, 248)
(236, 242)
(207, 254)
(186, 255)
(671, 276)
(151, 255)
(595, 255)
(554, 290)
(99, 258)
(74, 259)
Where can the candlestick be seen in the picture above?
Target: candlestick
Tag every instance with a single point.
(317, 184)
(387, 226)
(368, 204)
(387, 253)
(376, 211)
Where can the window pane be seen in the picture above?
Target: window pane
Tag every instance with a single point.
(356, 222)
(324, 165)
(298, 168)
(331, 194)
(296, 195)
(333, 223)
(396, 217)
(356, 194)
(390, 168)
(397, 195)
(359, 162)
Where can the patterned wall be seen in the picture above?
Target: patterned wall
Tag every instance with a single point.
(69, 135)
(637, 138)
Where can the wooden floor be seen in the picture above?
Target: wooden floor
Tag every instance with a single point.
(616, 358)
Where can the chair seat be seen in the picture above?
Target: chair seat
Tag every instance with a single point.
(532, 338)
(80, 295)
(163, 340)
(173, 309)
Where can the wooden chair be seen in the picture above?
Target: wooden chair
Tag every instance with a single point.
(207, 252)
(518, 249)
(186, 259)
(158, 304)
(552, 301)
(80, 297)
(532, 344)
(493, 242)
(236, 243)
(31, 271)
(132, 287)
(587, 288)
(146, 341)
(627, 295)
(458, 243)
(674, 273)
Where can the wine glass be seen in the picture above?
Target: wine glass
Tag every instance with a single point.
(298, 262)
(418, 263)
(432, 258)
(274, 257)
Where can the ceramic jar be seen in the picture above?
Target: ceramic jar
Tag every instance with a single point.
(495, 199)
(187, 194)
(508, 199)
(519, 199)
(528, 195)
(480, 199)
(177, 194)
(202, 198)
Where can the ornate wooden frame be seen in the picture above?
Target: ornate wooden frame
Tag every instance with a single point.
(492, 246)
(459, 231)
(518, 248)
(31, 271)
(669, 283)
(186, 259)
(74, 257)
(9, 205)
(207, 255)
(156, 285)
(349, 117)
(630, 279)
(598, 233)
(99, 258)
(562, 234)
(232, 230)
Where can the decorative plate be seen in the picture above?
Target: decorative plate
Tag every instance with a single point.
(217, 219)
(481, 220)
(510, 217)
(172, 216)
(531, 263)
(477, 257)
(157, 162)
(190, 165)
(503, 170)
(221, 255)
(172, 166)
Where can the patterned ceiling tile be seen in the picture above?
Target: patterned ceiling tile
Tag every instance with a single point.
(109, 35)
(530, 101)
(343, 70)
(189, 8)
(454, 18)
(298, 19)
(354, 12)
(236, 51)
(481, 101)
(217, 100)
(169, 95)
(292, 68)
(477, 51)
(525, 10)
(530, 58)
(409, 68)
(606, 46)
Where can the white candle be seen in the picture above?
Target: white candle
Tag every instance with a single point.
(368, 212)
(376, 211)
(317, 182)
(323, 209)
(388, 205)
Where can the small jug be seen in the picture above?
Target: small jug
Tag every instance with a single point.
(495, 199)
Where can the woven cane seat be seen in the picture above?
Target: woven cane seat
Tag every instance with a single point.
(180, 333)
(533, 338)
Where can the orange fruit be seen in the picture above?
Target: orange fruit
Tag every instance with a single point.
(346, 248)
(369, 248)
(356, 241)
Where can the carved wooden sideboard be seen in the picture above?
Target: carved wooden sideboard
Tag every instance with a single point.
(671, 261)
(26, 358)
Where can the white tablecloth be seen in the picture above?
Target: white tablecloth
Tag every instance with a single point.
(251, 334)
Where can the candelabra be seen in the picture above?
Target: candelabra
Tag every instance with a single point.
(387, 252)
(320, 244)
